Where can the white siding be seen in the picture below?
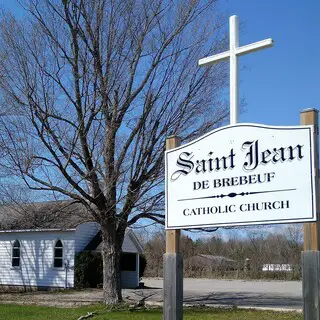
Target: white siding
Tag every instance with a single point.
(84, 233)
(128, 245)
(36, 263)
(130, 279)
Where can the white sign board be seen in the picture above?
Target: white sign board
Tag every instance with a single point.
(243, 174)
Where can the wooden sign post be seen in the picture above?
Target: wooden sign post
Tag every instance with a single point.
(204, 175)
(311, 232)
(173, 265)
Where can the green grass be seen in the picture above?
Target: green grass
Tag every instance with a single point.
(18, 312)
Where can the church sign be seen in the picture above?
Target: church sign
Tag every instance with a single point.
(244, 174)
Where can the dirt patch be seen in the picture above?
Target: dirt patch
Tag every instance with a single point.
(72, 298)
(54, 298)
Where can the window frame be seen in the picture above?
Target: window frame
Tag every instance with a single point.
(54, 257)
(13, 257)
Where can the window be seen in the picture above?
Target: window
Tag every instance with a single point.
(16, 254)
(128, 262)
(58, 255)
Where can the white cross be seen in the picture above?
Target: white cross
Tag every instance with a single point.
(233, 53)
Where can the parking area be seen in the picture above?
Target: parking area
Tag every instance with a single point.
(257, 294)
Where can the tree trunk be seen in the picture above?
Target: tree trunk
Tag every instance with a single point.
(111, 252)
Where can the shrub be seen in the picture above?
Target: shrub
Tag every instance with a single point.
(88, 270)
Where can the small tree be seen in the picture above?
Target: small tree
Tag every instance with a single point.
(92, 88)
(294, 236)
(154, 250)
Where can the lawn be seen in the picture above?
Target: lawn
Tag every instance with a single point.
(17, 312)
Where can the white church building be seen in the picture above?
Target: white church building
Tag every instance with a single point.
(38, 246)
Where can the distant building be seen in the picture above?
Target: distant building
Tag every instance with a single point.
(277, 267)
(210, 262)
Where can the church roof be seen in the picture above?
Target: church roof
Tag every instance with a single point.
(43, 215)
(96, 242)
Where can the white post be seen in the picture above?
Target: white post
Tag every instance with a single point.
(234, 74)
(138, 269)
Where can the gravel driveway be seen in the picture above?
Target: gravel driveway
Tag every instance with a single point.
(257, 294)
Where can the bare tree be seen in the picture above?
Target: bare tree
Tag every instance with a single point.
(294, 236)
(256, 249)
(154, 251)
(91, 90)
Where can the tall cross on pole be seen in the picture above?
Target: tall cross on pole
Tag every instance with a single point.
(233, 54)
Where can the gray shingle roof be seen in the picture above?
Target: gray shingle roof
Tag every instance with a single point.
(216, 258)
(43, 215)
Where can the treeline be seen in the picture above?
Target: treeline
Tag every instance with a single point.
(240, 254)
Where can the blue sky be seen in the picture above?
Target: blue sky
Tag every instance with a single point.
(277, 83)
